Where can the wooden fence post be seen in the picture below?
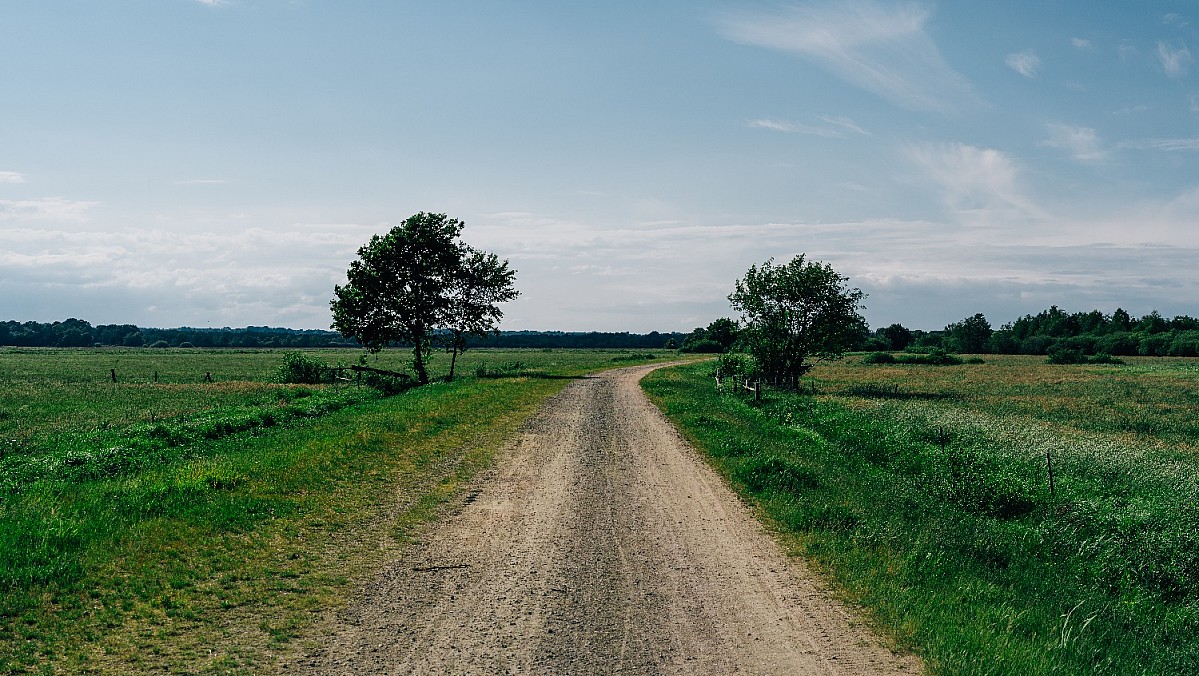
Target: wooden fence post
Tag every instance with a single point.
(113, 374)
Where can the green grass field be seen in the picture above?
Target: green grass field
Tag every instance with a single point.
(170, 523)
(923, 492)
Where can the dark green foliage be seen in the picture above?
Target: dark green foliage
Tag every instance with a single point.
(417, 279)
(718, 337)
(398, 287)
(302, 369)
(635, 356)
(1062, 354)
(897, 336)
(389, 385)
(971, 335)
(694, 345)
(480, 283)
(934, 357)
(796, 315)
(928, 356)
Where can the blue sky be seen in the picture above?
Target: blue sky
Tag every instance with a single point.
(218, 162)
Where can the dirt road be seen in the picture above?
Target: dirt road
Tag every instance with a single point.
(599, 544)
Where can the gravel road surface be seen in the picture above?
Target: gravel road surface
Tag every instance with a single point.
(600, 543)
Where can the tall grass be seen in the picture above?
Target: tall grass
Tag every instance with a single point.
(924, 492)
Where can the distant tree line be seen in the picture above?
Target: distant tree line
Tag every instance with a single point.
(79, 333)
(1053, 331)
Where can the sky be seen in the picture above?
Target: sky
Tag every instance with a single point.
(214, 163)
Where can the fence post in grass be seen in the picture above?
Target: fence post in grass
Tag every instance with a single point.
(1052, 485)
(112, 373)
(758, 390)
(156, 376)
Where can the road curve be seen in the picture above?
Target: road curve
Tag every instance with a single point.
(600, 543)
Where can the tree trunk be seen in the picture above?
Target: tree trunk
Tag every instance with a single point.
(453, 359)
(418, 363)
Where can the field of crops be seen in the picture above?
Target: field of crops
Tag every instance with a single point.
(195, 513)
(1009, 517)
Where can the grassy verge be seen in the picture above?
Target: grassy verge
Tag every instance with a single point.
(220, 557)
(927, 500)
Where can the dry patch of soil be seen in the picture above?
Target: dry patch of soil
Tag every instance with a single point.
(599, 544)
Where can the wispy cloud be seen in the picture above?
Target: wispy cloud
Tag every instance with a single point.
(1081, 43)
(11, 177)
(834, 127)
(213, 3)
(1132, 110)
(845, 123)
(1175, 61)
(1081, 142)
(45, 209)
(1175, 19)
(980, 181)
(1166, 144)
(883, 49)
(1026, 63)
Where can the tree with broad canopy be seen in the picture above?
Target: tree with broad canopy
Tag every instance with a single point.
(796, 315)
(416, 279)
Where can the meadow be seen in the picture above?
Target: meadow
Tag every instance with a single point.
(198, 515)
(1006, 517)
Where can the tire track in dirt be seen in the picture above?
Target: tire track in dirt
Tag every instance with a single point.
(600, 543)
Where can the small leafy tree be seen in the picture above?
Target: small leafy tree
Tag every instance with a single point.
(481, 281)
(796, 315)
(898, 336)
(397, 289)
(969, 336)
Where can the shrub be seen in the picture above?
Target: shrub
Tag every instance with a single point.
(160, 343)
(390, 385)
(1060, 354)
(735, 365)
(1066, 355)
(879, 358)
(935, 357)
(298, 368)
(701, 346)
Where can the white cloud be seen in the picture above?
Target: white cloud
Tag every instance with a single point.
(1026, 63)
(980, 183)
(1081, 142)
(214, 3)
(844, 122)
(1080, 43)
(1175, 62)
(1175, 19)
(11, 177)
(882, 49)
(1132, 110)
(835, 127)
(45, 209)
(1166, 144)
